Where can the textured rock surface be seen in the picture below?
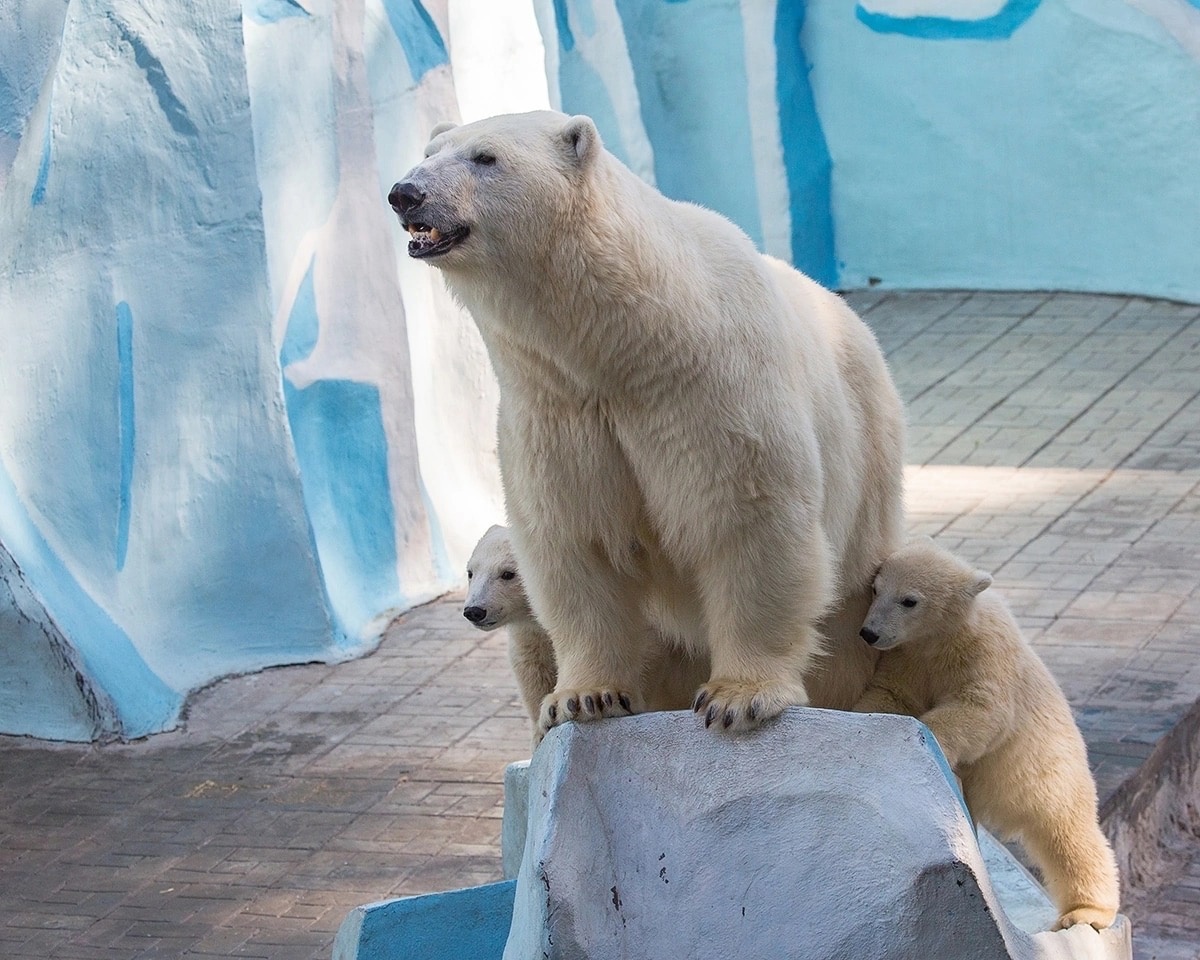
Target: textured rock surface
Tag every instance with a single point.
(823, 835)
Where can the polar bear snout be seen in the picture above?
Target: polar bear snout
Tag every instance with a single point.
(475, 614)
(869, 635)
(405, 195)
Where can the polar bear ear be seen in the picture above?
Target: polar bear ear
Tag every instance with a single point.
(582, 138)
(441, 128)
(980, 583)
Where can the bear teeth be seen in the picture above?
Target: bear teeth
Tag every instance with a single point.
(418, 231)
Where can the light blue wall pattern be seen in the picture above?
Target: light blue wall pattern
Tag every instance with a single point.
(1059, 152)
(190, 486)
(939, 143)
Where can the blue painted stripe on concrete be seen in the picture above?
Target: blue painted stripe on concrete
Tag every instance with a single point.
(930, 741)
(110, 662)
(562, 23)
(694, 107)
(272, 11)
(806, 157)
(342, 451)
(418, 35)
(300, 337)
(43, 173)
(467, 924)
(125, 424)
(1001, 26)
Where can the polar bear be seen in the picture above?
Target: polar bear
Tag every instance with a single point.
(956, 659)
(690, 433)
(496, 598)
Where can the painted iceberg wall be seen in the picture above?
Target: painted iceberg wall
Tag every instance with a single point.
(1003, 144)
(239, 427)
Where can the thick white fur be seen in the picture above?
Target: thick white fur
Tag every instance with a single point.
(671, 677)
(691, 435)
(957, 660)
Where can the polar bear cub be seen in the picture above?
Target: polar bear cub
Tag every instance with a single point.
(496, 598)
(955, 658)
(691, 435)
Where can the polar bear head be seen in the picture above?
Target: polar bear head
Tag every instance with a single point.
(497, 191)
(495, 593)
(921, 591)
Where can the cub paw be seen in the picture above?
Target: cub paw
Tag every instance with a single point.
(1098, 917)
(585, 704)
(743, 705)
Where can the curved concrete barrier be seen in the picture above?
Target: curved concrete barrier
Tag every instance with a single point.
(825, 834)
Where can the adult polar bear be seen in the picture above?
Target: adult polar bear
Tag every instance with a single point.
(691, 434)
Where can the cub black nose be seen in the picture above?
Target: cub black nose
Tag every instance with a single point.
(475, 614)
(869, 635)
(404, 196)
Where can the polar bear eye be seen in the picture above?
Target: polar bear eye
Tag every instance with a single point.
(484, 159)
(470, 574)
(908, 602)
(508, 574)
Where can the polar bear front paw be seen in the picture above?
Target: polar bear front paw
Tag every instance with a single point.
(743, 705)
(1098, 917)
(586, 704)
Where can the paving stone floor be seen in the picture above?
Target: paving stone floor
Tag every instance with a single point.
(1054, 439)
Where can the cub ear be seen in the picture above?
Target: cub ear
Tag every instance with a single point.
(979, 583)
(581, 138)
(441, 128)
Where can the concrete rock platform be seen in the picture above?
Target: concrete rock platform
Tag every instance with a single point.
(1054, 439)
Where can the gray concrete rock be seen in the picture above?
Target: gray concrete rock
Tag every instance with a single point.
(822, 835)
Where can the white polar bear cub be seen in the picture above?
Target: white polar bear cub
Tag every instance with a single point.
(690, 434)
(496, 598)
(956, 659)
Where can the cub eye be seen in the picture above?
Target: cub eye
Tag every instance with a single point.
(508, 574)
(484, 159)
(469, 574)
(908, 602)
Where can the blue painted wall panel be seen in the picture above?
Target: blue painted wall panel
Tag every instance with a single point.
(689, 66)
(466, 924)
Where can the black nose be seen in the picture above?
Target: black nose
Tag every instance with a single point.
(475, 614)
(869, 635)
(404, 196)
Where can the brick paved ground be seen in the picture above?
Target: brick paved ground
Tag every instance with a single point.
(1054, 439)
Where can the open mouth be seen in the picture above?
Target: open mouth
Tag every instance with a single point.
(429, 241)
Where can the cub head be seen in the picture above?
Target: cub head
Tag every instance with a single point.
(921, 591)
(495, 594)
(497, 190)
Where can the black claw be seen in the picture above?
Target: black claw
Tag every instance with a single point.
(728, 721)
(553, 711)
(623, 699)
(589, 704)
(608, 700)
(573, 705)
(710, 716)
(752, 713)
(700, 701)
